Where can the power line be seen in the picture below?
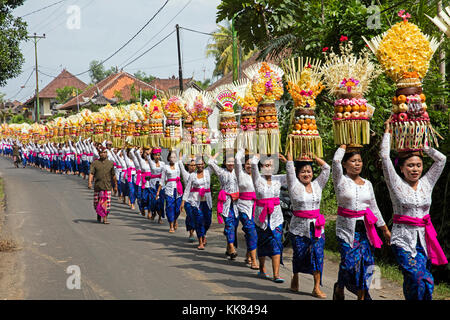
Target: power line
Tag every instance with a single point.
(23, 86)
(103, 61)
(162, 29)
(151, 19)
(51, 5)
(148, 49)
(206, 33)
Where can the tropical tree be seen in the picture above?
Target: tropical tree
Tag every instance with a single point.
(12, 32)
(97, 71)
(64, 94)
(222, 50)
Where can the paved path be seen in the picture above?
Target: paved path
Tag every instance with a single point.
(52, 219)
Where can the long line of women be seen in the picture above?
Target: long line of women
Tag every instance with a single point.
(249, 194)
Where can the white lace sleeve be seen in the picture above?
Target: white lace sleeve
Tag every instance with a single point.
(391, 177)
(256, 176)
(187, 189)
(374, 207)
(290, 174)
(438, 166)
(324, 175)
(338, 172)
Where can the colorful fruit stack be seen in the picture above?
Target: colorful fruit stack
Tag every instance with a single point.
(156, 119)
(405, 52)
(228, 125)
(247, 138)
(348, 78)
(198, 106)
(174, 111)
(267, 87)
(303, 79)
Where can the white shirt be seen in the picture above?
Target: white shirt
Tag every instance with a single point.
(353, 197)
(145, 167)
(303, 200)
(264, 190)
(194, 182)
(245, 184)
(228, 182)
(155, 171)
(170, 186)
(407, 201)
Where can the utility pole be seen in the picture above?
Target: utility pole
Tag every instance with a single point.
(180, 69)
(35, 37)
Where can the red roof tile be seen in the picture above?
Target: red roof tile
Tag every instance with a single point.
(121, 81)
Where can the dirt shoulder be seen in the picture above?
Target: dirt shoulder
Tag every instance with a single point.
(10, 274)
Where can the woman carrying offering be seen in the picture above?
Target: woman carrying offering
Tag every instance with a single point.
(227, 210)
(198, 194)
(156, 168)
(307, 224)
(173, 190)
(268, 215)
(413, 236)
(246, 206)
(358, 214)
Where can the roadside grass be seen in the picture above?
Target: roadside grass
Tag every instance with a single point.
(5, 244)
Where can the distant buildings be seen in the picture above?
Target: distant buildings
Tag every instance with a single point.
(47, 96)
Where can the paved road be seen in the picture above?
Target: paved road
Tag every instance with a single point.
(52, 219)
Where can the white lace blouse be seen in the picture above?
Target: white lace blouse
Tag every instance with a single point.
(228, 182)
(194, 182)
(155, 171)
(245, 184)
(406, 200)
(170, 186)
(264, 190)
(353, 197)
(144, 166)
(303, 200)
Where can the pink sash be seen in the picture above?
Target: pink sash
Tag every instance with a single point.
(129, 175)
(154, 176)
(201, 191)
(268, 205)
(78, 158)
(143, 175)
(221, 198)
(435, 252)
(249, 196)
(312, 214)
(369, 222)
(179, 185)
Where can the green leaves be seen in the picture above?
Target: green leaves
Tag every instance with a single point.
(12, 32)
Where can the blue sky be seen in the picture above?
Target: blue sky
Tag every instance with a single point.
(105, 25)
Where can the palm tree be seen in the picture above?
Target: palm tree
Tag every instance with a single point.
(222, 50)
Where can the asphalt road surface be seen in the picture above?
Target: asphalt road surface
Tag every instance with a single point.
(52, 219)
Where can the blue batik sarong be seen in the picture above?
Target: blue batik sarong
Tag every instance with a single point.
(269, 242)
(418, 282)
(230, 228)
(157, 205)
(307, 254)
(249, 228)
(357, 265)
(173, 206)
(190, 218)
(202, 218)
